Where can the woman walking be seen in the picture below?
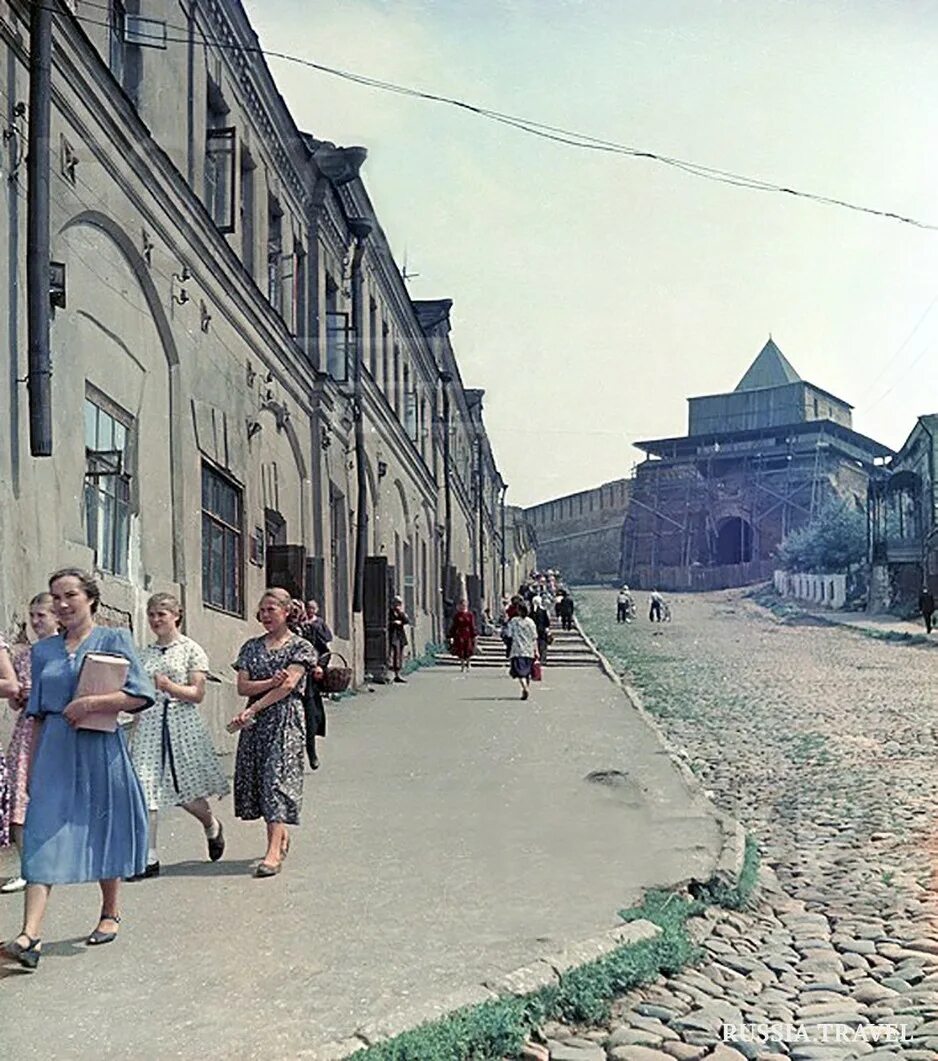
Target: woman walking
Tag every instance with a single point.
(462, 635)
(86, 818)
(268, 779)
(42, 620)
(523, 650)
(542, 622)
(397, 637)
(171, 749)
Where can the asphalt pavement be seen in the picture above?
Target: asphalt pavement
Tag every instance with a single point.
(451, 836)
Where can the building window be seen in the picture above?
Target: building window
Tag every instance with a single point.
(220, 157)
(337, 335)
(410, 406)
(274, 255)
(386, 358)
(248, 224)
(117, 25)
(107, 486)
(373, 338)
(222, 551)
(396, 382)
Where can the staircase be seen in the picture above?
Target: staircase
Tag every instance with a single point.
(568, 650)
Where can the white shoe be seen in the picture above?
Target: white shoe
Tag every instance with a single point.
(14, 884)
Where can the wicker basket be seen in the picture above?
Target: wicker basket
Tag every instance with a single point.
(336, 679)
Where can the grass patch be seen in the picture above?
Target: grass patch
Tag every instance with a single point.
(498, 1029)
(735, 896)
(428, 659)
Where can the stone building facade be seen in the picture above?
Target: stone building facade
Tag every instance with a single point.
(708, 510)
(242, 390)
(581, 534)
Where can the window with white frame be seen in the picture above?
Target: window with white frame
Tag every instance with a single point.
(107, 484)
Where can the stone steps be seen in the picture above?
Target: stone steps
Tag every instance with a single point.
(567, 650)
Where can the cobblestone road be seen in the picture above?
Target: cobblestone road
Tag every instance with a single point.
(820, 741)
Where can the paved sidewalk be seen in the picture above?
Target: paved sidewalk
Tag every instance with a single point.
(451, 836)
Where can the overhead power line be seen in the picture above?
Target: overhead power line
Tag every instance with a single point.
(556, 134)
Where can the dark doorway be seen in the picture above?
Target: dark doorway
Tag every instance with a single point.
(734, 542)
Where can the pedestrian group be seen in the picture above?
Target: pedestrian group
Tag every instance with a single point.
(81, 802)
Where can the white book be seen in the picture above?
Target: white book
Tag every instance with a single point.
(101, 672)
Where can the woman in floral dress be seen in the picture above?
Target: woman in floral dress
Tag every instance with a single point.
(42, 620)
(9, 689)
(171, 749)
(268, 780)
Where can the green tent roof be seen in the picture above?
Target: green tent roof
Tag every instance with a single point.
(770, 369)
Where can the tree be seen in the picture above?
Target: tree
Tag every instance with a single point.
(833, 542)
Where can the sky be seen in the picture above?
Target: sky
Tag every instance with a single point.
(593, 293)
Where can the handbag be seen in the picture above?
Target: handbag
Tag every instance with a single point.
(536, 671)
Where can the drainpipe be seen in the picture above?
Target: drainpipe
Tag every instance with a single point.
(504, 492)
(445, 379)
(38, 279)
(361, 229)
(481, 514)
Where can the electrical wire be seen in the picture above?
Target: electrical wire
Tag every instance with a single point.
(556, 134)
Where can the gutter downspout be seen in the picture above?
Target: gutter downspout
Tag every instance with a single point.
(361, 230)
(445, 380)
(504, 492)
(481, 514)
(38, 271)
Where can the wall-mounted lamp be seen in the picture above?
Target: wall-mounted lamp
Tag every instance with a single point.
(205, 318)
(250, 375)
(325, 438)
(147, 247)
(382, 469)
(253, 427)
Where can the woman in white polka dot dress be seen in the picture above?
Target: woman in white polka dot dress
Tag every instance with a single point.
(171, 748)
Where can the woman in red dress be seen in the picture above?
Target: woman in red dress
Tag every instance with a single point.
(462, 635)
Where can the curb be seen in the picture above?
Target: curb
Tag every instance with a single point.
(544, 971)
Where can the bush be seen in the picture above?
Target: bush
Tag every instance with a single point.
(833, 542)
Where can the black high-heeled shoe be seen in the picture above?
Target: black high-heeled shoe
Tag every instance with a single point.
(29, 956)
(98, 938)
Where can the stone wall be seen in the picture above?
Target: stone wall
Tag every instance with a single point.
(581, 534)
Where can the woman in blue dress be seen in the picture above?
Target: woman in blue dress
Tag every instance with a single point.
(87, 818)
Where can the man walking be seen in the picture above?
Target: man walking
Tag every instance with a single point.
(565, 610)
(926, 602)
(623, 606)
(656, 602)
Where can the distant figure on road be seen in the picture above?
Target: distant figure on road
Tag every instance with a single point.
(656, 607)
(926, 602)
(397, 637)
(624, 606)
(522, 651)
(268, 781)
(565, 611)
(462, 635)
(542, 622)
